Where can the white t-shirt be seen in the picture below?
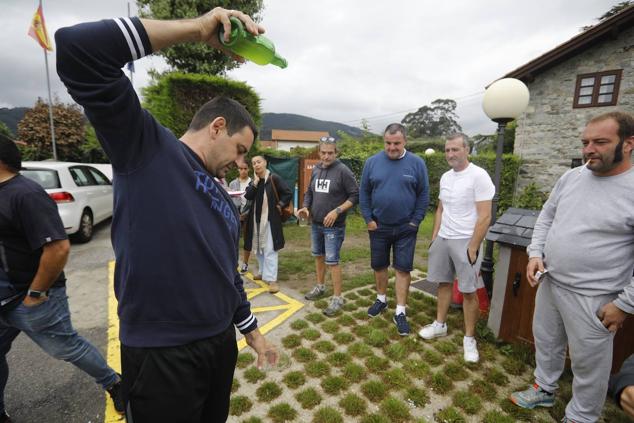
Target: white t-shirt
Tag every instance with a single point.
(459, 192)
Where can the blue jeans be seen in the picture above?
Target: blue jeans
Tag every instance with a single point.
(400, 239)
(327, 242)
(49, 326)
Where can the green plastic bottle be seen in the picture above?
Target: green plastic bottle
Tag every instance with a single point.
(256, 48)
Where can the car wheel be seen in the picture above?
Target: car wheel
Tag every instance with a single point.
(84, 234)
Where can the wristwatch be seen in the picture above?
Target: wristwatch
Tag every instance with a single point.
(338, 210)
(37, 294)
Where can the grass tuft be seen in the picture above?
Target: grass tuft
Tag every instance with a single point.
(455, 371)
(484, 389)
(396, 378)
(308, 398)
(395, 410)
(324, 346)
(377, 364)
(330, 326)
(327, 415)
(281, 413)
(304, 355)
(310, 333)
(353, 405)
(317, 369)
(239, 404)
(244, 359)
(235, 385)
(495, 377)
(294, 379)
(449, 415)
(468, 401)
(354, 373)
(375, 418)
(376, 337)
(417, 397)
(374, 390)
(417, 368)
(291, 341)
(517, 413)
(445, 347)
(315, 318)
(513, 366)
(339, 359)
(343, 338)
(495, 416)
(432, 357)
(440, 383)
(333, 385)
(345, 320)
(268, 391)
(253, 375)
(299, 324)
(360, 350)
(396, 352)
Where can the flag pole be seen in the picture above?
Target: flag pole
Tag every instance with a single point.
(50, 105)
(50, 102)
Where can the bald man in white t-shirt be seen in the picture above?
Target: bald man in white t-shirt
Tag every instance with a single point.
(462, 219)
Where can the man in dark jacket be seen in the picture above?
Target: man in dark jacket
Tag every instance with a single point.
(174, 230)
(34, 248)
(331, 192)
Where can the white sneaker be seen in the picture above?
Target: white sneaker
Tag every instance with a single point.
(434, 330)
(470, 350)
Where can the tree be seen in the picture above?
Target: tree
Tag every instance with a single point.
(69, 122)
(4, 130)
(617, 8)
(196, 57)
(488, 143)
(437, 120)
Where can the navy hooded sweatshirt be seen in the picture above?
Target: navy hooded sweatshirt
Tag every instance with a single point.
(174, 229)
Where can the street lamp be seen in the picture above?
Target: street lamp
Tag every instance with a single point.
(504, 101)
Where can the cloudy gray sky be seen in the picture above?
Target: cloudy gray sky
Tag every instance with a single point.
(348, 60)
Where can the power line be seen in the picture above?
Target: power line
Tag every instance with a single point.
(370, 118)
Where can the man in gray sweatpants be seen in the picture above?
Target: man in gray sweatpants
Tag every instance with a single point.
(584, 237)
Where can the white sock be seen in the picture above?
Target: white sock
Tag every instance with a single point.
(400, 309)
(469, 338)
(441, 324)
(321, 286)
(382, 298)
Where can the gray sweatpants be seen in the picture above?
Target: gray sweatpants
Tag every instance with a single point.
(563, 318)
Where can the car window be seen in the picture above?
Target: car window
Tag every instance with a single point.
(48, 179)
(99, 177)
(81, 176)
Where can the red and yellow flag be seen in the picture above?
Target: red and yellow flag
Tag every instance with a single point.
(38, 30)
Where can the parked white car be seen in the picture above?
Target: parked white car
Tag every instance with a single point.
(82, 192)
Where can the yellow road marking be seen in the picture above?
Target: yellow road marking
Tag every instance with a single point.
(290, 307)
(113, 352)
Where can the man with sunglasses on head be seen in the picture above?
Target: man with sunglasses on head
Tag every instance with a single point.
(394, 196)
(331, 192)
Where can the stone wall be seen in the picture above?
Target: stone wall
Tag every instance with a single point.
(548, 134)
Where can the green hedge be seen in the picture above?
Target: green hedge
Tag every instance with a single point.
(174, 97)
(437, 165)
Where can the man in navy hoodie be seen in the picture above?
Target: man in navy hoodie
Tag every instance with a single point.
(393, 197)
(175, 229)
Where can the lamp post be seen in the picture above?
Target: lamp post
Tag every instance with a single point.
(504, 101)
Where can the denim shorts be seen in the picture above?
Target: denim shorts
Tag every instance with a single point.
(327, 242)
(400, 239)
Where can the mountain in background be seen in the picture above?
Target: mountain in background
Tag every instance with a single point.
(11, 117)
(294, 122)
(270, 121)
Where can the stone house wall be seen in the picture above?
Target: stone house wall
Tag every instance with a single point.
(548, 134)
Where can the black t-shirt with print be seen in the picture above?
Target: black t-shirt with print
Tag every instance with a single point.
(28, 220)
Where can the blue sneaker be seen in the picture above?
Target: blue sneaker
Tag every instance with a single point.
(377, 308)
(401, 324)
(533, 397)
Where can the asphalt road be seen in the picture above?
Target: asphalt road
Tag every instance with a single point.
(43, 389)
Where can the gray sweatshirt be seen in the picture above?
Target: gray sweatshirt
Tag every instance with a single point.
(329, 188)
(585, 234)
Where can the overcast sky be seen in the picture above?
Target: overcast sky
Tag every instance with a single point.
(348, 60)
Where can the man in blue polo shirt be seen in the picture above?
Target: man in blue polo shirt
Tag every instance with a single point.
(394, 196)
